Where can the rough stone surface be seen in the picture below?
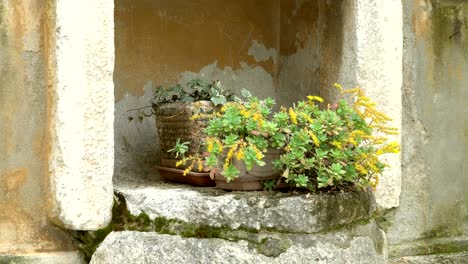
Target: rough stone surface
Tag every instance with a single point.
(252, 210)
(25, 35)
(136, 142)
(429, 246)
(452, 258)
(434, 200)
(135, 247)
(43, 258)
(81, 163)
(361, 45)
(379, 44)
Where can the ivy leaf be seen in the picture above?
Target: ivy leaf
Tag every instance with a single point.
(245, 93)
(219, 100)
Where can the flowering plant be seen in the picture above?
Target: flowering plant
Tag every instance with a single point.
(242, 130)
(336, 147)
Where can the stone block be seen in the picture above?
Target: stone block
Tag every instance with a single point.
(249, 210)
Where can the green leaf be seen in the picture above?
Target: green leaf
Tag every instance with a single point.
(245, 93)
(230, 173)
(230, 140)
(219, 100)
(301, 180)
(211, 161)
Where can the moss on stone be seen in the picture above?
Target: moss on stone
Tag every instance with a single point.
(272, 247)
(270, 242)
(427, 247)
(442, 231)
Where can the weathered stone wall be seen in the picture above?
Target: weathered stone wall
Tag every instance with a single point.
(82, 104)
(432, 216)
(299, 51)
(24, 125)
(361, 46)
(167, 223)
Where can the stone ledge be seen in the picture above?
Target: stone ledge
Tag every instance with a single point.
(451, 258)
(150, 247)
(250, 210)
(429, 246)
(43, 258)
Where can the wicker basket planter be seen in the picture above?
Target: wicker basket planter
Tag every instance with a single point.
(173, 121)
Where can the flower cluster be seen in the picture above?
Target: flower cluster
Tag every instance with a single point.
(242, 131)
(334, 147)
(338, 146)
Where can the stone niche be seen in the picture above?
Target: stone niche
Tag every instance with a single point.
(278, 48)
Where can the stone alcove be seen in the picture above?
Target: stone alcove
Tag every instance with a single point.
(283, 49)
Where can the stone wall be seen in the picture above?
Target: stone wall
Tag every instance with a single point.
(433, 203)
(171, 223)
(24, 126)
(56, 117)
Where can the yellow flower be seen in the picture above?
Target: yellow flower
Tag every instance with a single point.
(258, 153)
(209, 148)
(245, 113)
(257, 117)
(200, 165)
(336, 144)
(193, 117)
(361, 169)
(187, 170)
(374, 182)
(180, 162)
(392, 147)
(315, 98)
(220, 146)
(314, 138)
(339, 87)
(308, 118)
(293, 116)
(240, 154)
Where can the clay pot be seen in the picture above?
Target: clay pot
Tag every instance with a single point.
(192, 178)
(251, 180)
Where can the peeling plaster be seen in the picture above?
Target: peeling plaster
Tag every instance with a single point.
(261, 53)
(136, 142)
(256, 79)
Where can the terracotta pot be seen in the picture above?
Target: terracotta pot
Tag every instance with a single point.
(192, 178)
(173, 122)
(252, 180)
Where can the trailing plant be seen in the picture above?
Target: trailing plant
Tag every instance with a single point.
(336, 147)
(195, 90)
